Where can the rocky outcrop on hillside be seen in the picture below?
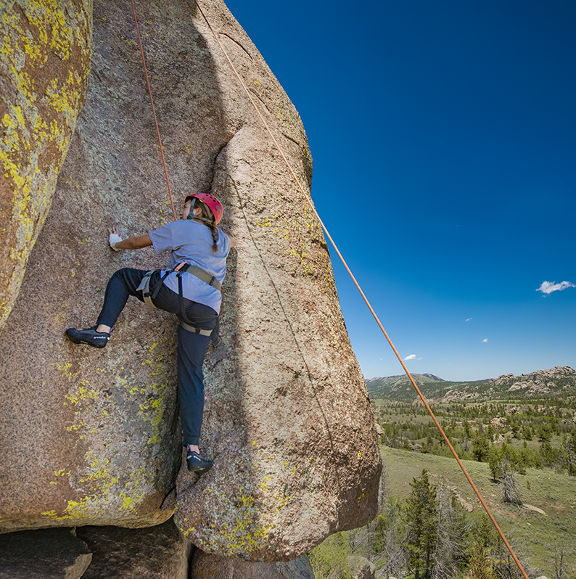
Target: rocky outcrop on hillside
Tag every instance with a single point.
(542, 382)
(555, 381)
(90, 437)
(461, 395)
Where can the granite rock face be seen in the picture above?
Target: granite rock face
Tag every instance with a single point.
(543, 382)
(287, 415)
(45, 554)
(158, 552)
(204, 566)
(287, 419)
(95, 552)
(44, 66)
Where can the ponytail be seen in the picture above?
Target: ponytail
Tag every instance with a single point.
(207, 218)
(214, 231)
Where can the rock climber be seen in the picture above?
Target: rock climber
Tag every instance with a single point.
(191, 289)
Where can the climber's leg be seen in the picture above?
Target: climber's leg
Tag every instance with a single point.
(192, 349)
(191, 352)
(120, 286)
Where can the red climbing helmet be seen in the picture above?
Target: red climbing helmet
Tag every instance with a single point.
(213, 204)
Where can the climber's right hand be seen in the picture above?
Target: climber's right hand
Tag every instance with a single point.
(114, 238)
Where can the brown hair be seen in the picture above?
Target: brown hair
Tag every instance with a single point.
(207, 218)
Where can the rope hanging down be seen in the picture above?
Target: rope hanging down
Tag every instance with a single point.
(308, 200)
(153, 108)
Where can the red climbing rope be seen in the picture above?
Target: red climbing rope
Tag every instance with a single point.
(309, 201)
(153, 109)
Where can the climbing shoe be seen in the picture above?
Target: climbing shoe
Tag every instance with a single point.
(88, 336)
(198, 463)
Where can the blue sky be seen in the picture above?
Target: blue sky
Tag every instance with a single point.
(444, 144)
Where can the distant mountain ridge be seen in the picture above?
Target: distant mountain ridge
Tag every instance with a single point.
(560, 380)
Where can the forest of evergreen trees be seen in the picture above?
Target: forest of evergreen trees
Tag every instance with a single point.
(428, 534)
(513, 436)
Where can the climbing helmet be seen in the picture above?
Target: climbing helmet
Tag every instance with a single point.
(213, 204)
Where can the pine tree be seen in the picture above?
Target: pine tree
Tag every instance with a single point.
(544, 434)
(494, 462)
(480, 564)
(570, 447)
(378, 537)
(392, 539)
(450, 556)
(559, 562)
(421, 515)
(480, 447)
(548, 454)
(510, 489)
(467, 434)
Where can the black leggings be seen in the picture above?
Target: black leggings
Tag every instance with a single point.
(191, 347)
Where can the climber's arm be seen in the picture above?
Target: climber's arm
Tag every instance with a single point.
(136, 242)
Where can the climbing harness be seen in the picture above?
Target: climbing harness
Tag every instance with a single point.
(150, 293)
(184, 324)
(205, 276)
(341, 257)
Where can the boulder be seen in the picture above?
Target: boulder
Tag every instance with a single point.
(44, 66)
(288, 419)
(45, 554)
(91, 436)
(205, 566)
(155, 552)
(361, 567)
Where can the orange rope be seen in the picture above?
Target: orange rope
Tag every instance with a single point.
(309, 201)
(153, 109)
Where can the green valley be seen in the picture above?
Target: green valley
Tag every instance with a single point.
(517, 438)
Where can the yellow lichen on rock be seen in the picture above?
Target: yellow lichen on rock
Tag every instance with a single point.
(45, 49)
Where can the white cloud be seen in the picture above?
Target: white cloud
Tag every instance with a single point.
(485, 340)
(468, 320)
(410, 357)
(548, 287)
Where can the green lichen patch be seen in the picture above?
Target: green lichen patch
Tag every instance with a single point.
(244, 519)
(109, 490)
(116, 480)
(302, 239)
(44, 66)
